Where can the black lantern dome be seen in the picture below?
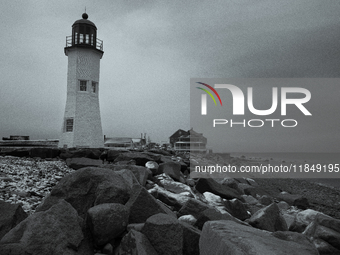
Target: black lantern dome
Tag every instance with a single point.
(84, 21)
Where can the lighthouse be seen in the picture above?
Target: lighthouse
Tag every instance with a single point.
(81, 126)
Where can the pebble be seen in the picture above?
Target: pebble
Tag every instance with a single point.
(27, 181)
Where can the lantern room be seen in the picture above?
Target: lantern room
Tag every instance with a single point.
(84, 34)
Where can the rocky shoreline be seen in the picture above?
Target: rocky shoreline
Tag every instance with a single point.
(70, 202)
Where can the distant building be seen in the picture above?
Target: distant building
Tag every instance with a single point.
(138, 142)
(17, 137)
(174, 138)
(24, 141)
(188, 141)
(118, 142)
(124, 142)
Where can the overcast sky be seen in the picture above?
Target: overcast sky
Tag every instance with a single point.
(151, 50)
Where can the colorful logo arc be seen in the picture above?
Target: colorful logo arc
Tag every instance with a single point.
(208, 92)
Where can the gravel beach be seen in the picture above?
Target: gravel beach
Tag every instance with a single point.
(27, 181)
(321, 197)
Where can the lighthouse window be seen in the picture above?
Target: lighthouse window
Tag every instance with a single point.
(82, 86)
(81, 38)
(69, 125)
(94, 87)
(87, 39)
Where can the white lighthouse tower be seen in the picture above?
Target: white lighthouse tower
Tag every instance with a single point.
(82, 124)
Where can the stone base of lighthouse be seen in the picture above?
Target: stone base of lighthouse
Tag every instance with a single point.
(82, 122)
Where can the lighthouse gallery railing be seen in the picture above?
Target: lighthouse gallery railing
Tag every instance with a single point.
(98, 46)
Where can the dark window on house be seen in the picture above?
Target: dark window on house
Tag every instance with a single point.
(69, 125)
(94, 86)
(82, 86)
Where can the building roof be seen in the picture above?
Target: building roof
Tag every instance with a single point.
(136, 140)
(179, 132)
(117, 140)
(194, 133)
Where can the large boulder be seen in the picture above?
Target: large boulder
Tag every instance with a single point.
(155, 157)
(211, 215)
(77, 163)
(141, 173)
(250, 200)
(66, 153)
(173, 169)
(231, 183)
(161, 152)
(324, 232)
(55, 231)
(138, 157)
(228, 237)
(107, 221)
(296, 200)
(266, 200)
(167, 209)
(87, 153)
(237, 209)
(142, 205)
(184, 165)
(269, 218)
(128, 176)
(216, 188)
(289, 218)
(112, 155)
(283, 206)
(302, 220)
(193, 207)
(169, 198)
(88, 187)
(189, 219)
(165, 234)
(152, 166)
(191, 238)
(171, 185)
(10, 216)
(216, 201)
(136, 243)
(164, 159)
